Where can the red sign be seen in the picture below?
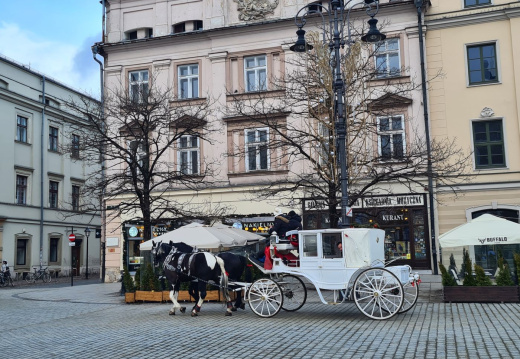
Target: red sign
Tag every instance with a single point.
(72, 237)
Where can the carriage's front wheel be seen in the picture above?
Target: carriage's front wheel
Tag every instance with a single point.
(265, 297)
(378, 293)
(294, 292)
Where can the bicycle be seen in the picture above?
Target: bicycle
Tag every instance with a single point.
(5, 279)
(41, 273)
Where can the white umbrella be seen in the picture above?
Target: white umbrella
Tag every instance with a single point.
(486, 229)
(207, 237)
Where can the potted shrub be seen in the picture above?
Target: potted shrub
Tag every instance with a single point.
(150, 286)
(129, 286)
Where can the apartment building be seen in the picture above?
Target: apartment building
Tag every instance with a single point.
(41, 200)
(475, 45)
(226, 50)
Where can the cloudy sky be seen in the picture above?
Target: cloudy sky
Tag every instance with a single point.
(54, 37)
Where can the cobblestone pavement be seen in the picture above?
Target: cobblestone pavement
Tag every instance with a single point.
(92, 321)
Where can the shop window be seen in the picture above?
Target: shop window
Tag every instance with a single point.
(488, 143)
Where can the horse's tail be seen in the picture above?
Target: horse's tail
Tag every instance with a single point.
(223, 279)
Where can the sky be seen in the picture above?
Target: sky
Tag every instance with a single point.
(54, 38)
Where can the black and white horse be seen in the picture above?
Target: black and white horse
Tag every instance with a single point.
(187, 266)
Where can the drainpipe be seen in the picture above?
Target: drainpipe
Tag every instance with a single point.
(95, 51)
(42, 148)
(419, 4)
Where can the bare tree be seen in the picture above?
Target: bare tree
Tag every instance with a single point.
(148, 144)
(306, 139)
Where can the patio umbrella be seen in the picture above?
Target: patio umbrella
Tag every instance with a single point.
(484, 230)
(206, 237)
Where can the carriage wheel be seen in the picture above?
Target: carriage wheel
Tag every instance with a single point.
(294, 292)
(411, 293)
(378, 293)
(265, 297)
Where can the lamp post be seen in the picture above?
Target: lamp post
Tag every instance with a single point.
(87, 234)
(339, 21)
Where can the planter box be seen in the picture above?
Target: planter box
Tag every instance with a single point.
(182, 297)
(129, 297)
(147, 296)
(491, 294)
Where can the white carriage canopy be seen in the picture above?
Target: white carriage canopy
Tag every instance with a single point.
(206, 237)
(484, 230)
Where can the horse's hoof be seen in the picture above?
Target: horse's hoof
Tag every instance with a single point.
(228, 314)
(234, 309)
(194, 314)
(171, 312)
(242, 306)
(183, 310)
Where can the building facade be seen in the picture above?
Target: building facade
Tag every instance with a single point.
(227, 49)
(475, 45)
(42, 176)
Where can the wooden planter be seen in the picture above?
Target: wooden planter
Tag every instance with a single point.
(129, 297)
(182, 297)
(147, 296)
(491, 294)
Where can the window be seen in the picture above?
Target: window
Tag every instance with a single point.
(469, 3)
(188, 155)
(388, 61)
(53, 194)
(53, 139)
(137, 156)
(256, 149)
(21, 128)
(132, 35)
(178, 28)
(324, 145)
(75, 198)
(21, 251)
(189, 81)
(391, 141)
(138, 85)
(53, 250)
(197, 25)
(255, 72)
(75, 146)
(488, 142)
(482, 64)
(21, 189)
(310, 245)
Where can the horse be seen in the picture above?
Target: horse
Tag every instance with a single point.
(234, 265)
(183, 267)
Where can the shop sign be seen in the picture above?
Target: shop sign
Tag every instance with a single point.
(394, 201)
(392, 217)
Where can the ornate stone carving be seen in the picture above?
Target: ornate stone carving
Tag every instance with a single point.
(487, 112)
(255, 9)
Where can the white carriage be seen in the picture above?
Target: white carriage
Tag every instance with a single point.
(357, 273)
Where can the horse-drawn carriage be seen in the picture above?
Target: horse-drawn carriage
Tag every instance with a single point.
(356, 273)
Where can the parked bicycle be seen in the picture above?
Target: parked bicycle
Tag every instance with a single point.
(41, 273)
(5, 279)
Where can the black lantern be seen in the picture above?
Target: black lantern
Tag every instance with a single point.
(300, 45)
(373, 34)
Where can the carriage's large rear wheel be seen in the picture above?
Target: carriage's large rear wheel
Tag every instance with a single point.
(294, 292)
(265, 297)
(411, 293)
(378, 293)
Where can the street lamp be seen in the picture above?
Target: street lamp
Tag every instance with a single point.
(87, 234)
(337, 24)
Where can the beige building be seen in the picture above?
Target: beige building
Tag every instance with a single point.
(42, 176)
(476, 46)
(219, 48)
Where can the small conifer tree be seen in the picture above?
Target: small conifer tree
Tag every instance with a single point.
(128, 282)
(447, 279)
(503, 277)
(469, 280)
(480, 276)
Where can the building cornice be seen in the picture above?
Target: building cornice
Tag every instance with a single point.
(472, 16)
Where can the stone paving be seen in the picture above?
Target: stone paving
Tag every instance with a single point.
(92, 321)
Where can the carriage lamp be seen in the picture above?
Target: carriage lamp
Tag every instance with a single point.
(87, 234)
(338, 20)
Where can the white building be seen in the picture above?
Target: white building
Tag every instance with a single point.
(41, 197)
(223, 49)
